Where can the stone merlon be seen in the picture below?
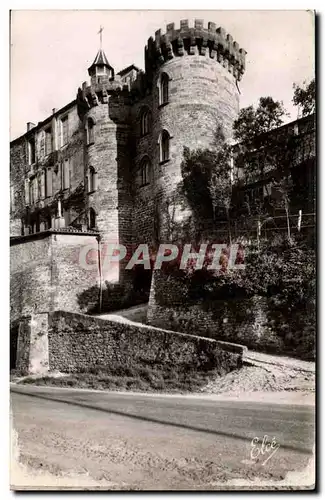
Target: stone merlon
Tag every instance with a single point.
(197, 39)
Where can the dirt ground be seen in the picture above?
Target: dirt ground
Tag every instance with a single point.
(79, 439)
(267, 373)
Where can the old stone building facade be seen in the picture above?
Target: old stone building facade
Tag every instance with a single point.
(105, 169)
(109, 159)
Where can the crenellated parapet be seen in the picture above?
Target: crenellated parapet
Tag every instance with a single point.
(195, 40)
(92, 95)
(97, 93)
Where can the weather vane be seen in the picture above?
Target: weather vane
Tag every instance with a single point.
(101, 29)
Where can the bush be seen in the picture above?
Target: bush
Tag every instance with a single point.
(281, 272)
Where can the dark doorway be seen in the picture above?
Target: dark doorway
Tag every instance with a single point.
(92, 218)
(14, 330)
(142, 283)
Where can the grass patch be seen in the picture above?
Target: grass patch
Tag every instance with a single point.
(137, 377)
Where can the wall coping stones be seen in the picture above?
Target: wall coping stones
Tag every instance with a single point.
(225, 346)
(15, 240)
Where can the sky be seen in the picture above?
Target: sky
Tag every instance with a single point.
(52, 49)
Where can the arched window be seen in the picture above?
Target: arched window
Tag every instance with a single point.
(164, 91)
(92, 180)
(92, 218)
(145, 122)
(164, 146)
(90, 131)
(144, 174)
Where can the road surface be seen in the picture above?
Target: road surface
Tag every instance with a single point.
(152, 442)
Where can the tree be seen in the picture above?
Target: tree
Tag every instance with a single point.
(305, 97)
(288, 274)
(256, 146)
(220, 185)
(206, 181)
(196, 170)
(265, 153)
(252, 123)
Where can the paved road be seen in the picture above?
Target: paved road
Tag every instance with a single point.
(137, 441)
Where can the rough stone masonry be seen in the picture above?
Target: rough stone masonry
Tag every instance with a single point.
(103, 167)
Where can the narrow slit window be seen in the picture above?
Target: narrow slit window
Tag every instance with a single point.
(145, 172)
(164, 89)
(164, 146)
(90, 131)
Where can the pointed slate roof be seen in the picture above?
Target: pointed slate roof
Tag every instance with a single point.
(100, 60)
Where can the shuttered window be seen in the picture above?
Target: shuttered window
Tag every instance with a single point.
(65, 130)
(48, 141)
(48, 183)
(66, 175)
(27, 201)
(42, 185)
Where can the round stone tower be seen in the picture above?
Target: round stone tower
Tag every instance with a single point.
(103, 109)
(194, 74)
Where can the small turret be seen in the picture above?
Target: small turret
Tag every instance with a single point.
(100, 70)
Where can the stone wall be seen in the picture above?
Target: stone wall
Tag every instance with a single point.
(143, 213)
(51, 271)
(47, 171)
(77, 342)
(38, 344)
(18, 160)
(101, 155)
(29, 351)
(75, 271)
(20, 337)
(31, 284)
(242, 320)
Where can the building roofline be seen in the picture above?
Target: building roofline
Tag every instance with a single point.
(306, 118)
(125, 70)
(100, 60)
(302, 118)
(15, 240)
(45, 121)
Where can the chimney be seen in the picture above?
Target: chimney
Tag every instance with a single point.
(30, 125)
(54, 110)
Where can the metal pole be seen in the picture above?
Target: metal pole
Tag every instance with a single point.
(299, 220)
(100, 273)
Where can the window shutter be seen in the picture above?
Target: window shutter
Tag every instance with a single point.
(48, 141)
(31, 193)
(66, 175)
(42, 143)
(49, 182)
(64, 130)
(43, 185)
(35, 186)
(27, 201)
(67, 129)
(60, 134)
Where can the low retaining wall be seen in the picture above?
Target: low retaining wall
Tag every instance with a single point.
(221, 323)
(243, 321)
(76, 342)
